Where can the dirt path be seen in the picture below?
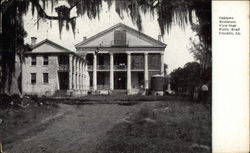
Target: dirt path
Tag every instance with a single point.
(75, 128)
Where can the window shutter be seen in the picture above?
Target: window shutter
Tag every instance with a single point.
(120, 38)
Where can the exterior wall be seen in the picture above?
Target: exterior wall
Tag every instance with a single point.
(154, 61)
(39, 87)
(137, 61)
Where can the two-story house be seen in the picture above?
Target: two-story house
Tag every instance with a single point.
(49, 68)
(121, 58)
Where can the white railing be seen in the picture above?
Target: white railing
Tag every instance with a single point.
(141, 67)
(63, 67)
(120, 67)
(103, 67)
(90, 67)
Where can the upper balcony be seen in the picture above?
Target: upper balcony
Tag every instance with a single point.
(99, 67)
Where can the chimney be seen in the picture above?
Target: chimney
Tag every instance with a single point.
(84, 38)
(33, 40)
(159, 38)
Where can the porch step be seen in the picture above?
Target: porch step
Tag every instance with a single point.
(119, 92)
(60, 93)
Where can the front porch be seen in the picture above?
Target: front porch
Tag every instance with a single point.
(111, 71)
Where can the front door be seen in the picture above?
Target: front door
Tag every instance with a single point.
(120, 80)
(63, 80)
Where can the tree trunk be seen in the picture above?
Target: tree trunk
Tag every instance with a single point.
(11, 78)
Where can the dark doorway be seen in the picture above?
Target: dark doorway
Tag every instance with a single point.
(140, 79)
(63, 80)
(120, 80)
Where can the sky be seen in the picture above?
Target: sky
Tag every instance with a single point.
(177, 40)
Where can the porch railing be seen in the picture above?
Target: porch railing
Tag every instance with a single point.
(63, 67)
(120, 67)
(90, 67)
(141, 67)
(103, 67)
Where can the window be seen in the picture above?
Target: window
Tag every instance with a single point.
(120, 38)
(33, 78)
(45, 60)
(33, 60)
(45, 78)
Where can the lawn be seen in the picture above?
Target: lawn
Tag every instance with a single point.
(161, 127)
(172, 125)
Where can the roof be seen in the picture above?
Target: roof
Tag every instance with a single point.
(129, 29)
(63, 49)
(52, 43)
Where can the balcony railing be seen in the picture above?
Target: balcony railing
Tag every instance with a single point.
(63, 67)
(120, 67)
(90, 67)
(103, 67)
(99, 67)
(141, 67)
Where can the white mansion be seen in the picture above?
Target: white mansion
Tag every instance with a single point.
(117, 59)
(121, 58)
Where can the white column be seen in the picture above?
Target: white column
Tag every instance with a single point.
(162, 63)
(77, 75)
(80, 74)
(70, 71)
(95, 73)
(146, 71)
(111, 82)
(128, 72)
(83, 75)
(74, 74)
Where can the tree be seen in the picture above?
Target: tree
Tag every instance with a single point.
(168, 12)
(186, 78)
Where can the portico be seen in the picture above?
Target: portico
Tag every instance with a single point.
(117, 70)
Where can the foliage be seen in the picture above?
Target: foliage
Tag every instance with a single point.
(202, 53)
(186, 78)
(168, 12)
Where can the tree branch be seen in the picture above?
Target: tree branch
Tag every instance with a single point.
(41, 12)
(150, 4)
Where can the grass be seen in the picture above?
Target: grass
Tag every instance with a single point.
(163, 127)
(22, 120)
(89, 99)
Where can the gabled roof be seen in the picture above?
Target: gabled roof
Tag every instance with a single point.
(125, 27)
(47, 41)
